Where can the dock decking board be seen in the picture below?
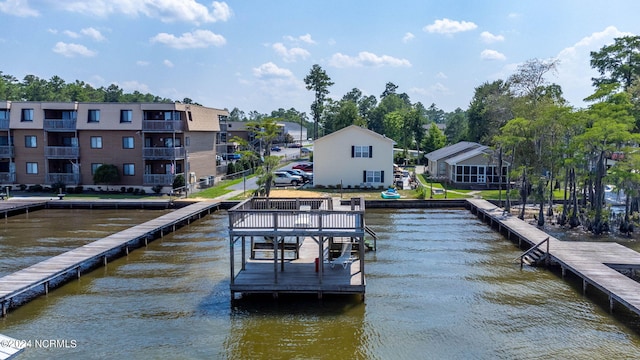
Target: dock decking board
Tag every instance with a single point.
(591, 261)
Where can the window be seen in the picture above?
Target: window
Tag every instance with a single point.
(94, 167)
(4, 114)
(27, 115)
(361, 151)
(127, 142)
(94, 116)
(96, 142)
(373, 176)
(32, 168)
(126, 116)
(30, 141)
(129, 170)
(187, 141)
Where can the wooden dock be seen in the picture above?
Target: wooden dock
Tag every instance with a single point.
(10, 348)
(598, 264)
(23, 285)
(316, 225)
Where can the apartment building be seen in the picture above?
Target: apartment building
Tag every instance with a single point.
(150, 143)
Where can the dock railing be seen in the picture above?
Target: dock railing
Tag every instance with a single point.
(533, 248)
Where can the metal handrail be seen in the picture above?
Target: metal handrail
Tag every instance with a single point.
(534, 247)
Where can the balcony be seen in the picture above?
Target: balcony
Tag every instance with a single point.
(159, 153)
(162, 125)
(7, 178)
(7, 151)
(59, 124)
(65, 178)
(62, 152)
(159, 179)
(4, 124)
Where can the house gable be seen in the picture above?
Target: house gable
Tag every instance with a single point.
(352, 157)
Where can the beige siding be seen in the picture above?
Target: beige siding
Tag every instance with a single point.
(202, 155)
(333, 164)
(112, 153)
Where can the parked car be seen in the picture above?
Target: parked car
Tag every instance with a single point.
(284, 178)
(306, 176)
(234, 156)
(295, 145)
(307, 167)
(275, 148)
(305, 151)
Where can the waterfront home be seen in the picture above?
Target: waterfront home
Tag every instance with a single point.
(353, 157)
(467, 165)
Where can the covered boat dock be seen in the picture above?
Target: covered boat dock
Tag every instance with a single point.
(297, 246)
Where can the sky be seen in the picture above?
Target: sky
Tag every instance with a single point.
(254, 54)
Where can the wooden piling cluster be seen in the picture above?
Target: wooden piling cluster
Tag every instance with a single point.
(599, 265)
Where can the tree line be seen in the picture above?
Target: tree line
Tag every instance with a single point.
(33, 88)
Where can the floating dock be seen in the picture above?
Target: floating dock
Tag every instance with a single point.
(24, 285)
(329, 253)
(600, 265)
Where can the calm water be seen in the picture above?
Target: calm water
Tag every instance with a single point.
(442, 285)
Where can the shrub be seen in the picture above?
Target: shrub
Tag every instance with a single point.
(130, 190)
(58, 187)
(142, 192)
(35, 188)
(22, 187)
(123, 189)
(178, 182)
(157, 188)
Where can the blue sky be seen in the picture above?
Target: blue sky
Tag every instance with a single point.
(254, 54)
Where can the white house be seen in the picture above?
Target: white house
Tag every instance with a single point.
(353, 156)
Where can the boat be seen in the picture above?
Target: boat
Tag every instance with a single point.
(390, 193)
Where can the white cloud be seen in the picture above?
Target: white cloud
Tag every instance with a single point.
(196, 39)
(142, 63)
(165, 10)
(270, 71)
(306, 38)
(92, 33)
(441, 75)
(408, 37)
(448, 26)
(365, 58)
(489, 38)
(167, 63)
(131, 86)
(18, 8)
(71, 34)
(574, 69)
(71, 50)
(290, 55)
(488, 54)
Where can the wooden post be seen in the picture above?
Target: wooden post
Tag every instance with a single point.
(4, 309)
(46, 287)
(231, 259)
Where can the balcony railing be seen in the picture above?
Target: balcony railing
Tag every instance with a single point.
(65, 178)
(57, 124)
(159, 179)
(7, 178)
(7, 151)
(61, 152)
(156, 153)
(162, 125)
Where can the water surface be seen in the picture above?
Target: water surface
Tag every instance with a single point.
(442, 285)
